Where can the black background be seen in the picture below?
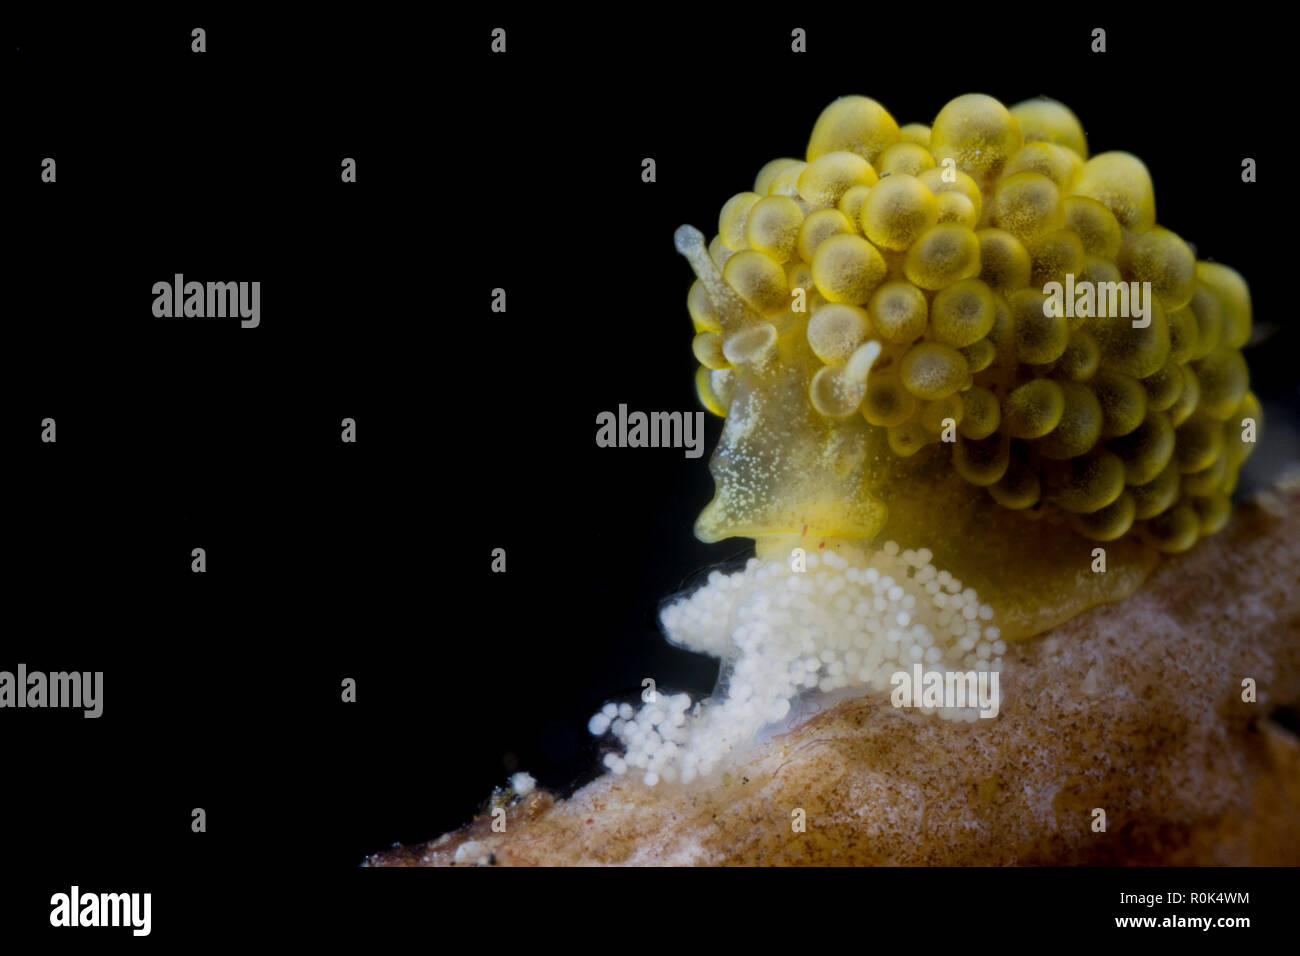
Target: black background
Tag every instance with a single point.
(475, 430)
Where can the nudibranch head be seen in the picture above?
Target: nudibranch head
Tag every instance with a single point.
(970, 338)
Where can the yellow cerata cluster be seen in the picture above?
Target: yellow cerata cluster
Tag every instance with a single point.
(969, 337)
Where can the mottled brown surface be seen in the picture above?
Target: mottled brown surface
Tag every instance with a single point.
(1134, 707)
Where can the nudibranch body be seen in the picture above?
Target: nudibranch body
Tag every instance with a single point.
(975, 339)
(971, 388)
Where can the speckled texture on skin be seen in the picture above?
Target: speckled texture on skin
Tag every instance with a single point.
(1134, 707)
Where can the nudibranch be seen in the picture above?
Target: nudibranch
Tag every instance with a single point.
(953, 361)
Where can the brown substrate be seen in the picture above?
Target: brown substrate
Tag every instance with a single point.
(1134, 708)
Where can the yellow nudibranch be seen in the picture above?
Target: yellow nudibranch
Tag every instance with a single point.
(878, 324)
